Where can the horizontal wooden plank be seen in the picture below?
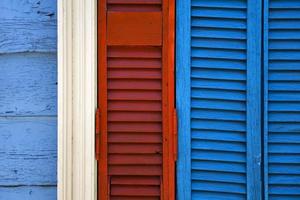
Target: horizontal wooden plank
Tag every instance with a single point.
(28, 26)
(28, 84)
(28, 151)
(28, 193)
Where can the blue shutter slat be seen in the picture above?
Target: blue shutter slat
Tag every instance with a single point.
(287, 138)
(218, 84)
(285, 14)
(285, 44)
(205, 12)
(229, 4)
(214, 195)
(218, 63)
(218, 114)
(282, 34)
(282, 99)
(283, 4)
(215, 74)
(219, 135)
(285, 24)
(284, 96)
(215, 156)
(204, 32)
(219, 130)
(218, 43)
(283, 65)
(219, 22)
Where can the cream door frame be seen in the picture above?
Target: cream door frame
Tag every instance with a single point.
(77, 99)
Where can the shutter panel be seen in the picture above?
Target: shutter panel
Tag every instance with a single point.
(282, 94)
(136, 99)
(218, 99)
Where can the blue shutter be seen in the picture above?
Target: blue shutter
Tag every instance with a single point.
(218, 99)
(282, 99)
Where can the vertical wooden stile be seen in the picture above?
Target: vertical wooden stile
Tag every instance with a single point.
(102, 100)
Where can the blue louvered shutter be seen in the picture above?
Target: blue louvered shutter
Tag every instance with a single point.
(282, 99)
(219, 99)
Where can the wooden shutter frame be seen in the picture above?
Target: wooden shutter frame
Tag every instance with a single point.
(183, 100)
(102, 100)
(168, 102)
(280, 176)
(168, 99)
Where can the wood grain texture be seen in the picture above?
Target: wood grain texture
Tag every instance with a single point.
(183, 98)
(28, 151)
(282, 99)
(218, 99)
(134, 28)
(28, 84)
(254, 107)
(138, 69)
(28, 193)
(28, 25)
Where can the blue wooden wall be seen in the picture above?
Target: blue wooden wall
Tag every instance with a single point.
(28, 105)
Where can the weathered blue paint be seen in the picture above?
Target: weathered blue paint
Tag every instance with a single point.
(28, 151)
(28, 193)
(28, 84)
(282, 99)
(28, 105)
(28, 25)
(183, 100)
(219, 99)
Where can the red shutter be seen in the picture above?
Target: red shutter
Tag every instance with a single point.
(136, 99)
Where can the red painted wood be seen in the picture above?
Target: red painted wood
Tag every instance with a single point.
(139, 2)
(134, 28)
(136, 86)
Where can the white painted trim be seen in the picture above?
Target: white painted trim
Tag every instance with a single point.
(77, 99)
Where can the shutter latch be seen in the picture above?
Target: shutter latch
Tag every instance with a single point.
(175, 134)
(97, 133)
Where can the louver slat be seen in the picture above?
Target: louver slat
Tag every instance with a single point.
(218, 99)
(282, 94)
(136, 99)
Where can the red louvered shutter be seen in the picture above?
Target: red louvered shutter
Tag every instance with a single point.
(136, 99)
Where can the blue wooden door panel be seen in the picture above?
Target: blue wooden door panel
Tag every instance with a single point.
(218, 99)
(282, 99)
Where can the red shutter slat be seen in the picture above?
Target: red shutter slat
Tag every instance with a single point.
(142, 2)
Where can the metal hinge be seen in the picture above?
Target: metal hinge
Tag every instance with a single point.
(97, 133)
(175, 134)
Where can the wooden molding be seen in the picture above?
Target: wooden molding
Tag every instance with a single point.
(77, 92)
